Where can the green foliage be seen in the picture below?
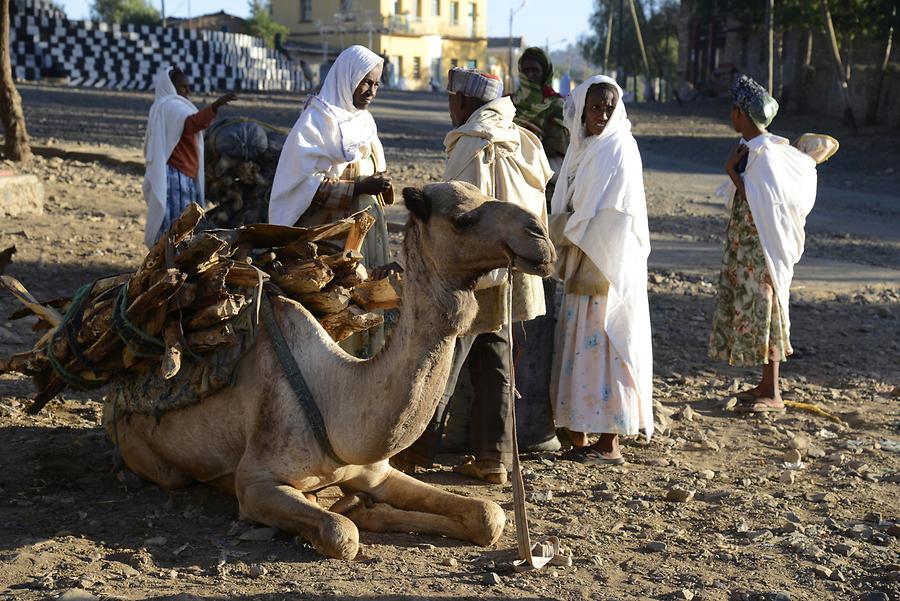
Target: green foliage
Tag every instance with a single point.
(134, 12)
(658, 21)
(262, 24)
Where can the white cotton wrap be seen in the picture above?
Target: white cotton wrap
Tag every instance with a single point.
(164, 128)
(780, 182)
(330, 134)
(602, 180)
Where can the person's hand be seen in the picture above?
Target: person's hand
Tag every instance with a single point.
(223, 100)
(385, 271)
(374, 184)
(736, 155)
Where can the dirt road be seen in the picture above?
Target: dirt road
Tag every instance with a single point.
(759, 525)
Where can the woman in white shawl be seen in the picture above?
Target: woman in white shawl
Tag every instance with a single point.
(772, 189)
(332, 166)
(173, 151)
(603, 362)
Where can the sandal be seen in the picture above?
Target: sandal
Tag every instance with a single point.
(757, 406)
(493, 472)
(592, 456)
(573, 454)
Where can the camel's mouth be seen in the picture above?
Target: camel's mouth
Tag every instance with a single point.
(541, 266)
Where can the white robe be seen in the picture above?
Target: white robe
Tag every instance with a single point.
(780, 182)
(330, 134)
(164, 128)
(602, 180)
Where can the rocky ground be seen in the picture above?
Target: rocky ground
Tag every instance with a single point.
(716, 506)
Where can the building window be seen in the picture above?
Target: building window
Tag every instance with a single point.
(419, 8)
(454, 63)
(473, 18)
(417, 68)
(472, 64)
(305, 11)
(454, 13)
(398, 7)
(436, 8)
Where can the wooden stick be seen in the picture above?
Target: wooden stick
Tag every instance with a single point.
(171, 363)
(16, 288)
(378, 294)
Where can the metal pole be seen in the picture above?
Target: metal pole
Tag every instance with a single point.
(162, 10)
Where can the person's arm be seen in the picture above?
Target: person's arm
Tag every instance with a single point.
(735, 157)
(204, 117)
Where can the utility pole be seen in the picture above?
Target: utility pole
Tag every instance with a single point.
(512, 13)
(162, 11)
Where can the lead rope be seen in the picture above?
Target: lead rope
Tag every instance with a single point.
(531, 557)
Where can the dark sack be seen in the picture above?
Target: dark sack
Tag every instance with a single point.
(237, 139)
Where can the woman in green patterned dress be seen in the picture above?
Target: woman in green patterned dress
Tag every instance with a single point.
(774, 188)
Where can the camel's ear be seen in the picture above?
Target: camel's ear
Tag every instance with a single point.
(418, 205)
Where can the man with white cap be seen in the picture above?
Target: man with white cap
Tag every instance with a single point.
(508, 163)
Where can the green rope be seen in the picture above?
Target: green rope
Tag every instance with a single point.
(131, 334)
(75, 308)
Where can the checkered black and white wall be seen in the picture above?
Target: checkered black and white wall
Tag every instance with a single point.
(106, 55)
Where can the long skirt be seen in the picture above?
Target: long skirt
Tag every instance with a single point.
(592, 388)
(749, 325)
(181, 191)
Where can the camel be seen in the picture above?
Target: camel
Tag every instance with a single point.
(254, 440)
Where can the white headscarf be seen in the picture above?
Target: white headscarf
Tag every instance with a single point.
(330, 134)
(164, 128)
(602, 181)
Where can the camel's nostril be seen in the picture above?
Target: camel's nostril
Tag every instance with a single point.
(535, 230)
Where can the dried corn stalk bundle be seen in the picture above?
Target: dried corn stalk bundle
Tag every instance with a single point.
(193, 296)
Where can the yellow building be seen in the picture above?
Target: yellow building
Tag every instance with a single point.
(421, 39)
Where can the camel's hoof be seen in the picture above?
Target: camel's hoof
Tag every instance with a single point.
(352, 502)
(490, 526)
(337, 538)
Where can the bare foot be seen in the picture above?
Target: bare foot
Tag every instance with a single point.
(579, 439)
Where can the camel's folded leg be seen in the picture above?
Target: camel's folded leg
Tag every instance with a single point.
(287, 508)
(404, 504)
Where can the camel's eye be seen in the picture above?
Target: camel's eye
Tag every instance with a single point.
(465, 221)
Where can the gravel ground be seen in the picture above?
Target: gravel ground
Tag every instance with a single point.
(715, 507)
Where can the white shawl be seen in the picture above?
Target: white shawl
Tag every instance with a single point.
(164, 128)
(780, 182)
(602, 180)
(330, 134)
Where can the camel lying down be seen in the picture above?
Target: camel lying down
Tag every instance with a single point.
(255, 441)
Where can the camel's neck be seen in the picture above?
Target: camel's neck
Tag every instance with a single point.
(400, 387)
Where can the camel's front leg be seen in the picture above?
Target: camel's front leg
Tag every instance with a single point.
(404, 504)
(287, 508)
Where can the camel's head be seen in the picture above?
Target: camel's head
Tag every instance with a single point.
(466, 234)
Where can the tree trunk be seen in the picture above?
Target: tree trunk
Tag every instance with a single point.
(770, 45)
(872, 113)
(15, 146)
(836, 54)
(609, 24)
(802, 75)
(640, 39)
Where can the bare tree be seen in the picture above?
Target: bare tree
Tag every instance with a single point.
(15, 146)
(872, 115)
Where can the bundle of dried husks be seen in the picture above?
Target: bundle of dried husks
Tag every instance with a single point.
(195, 296)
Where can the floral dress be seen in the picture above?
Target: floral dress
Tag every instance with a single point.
(749, 327)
